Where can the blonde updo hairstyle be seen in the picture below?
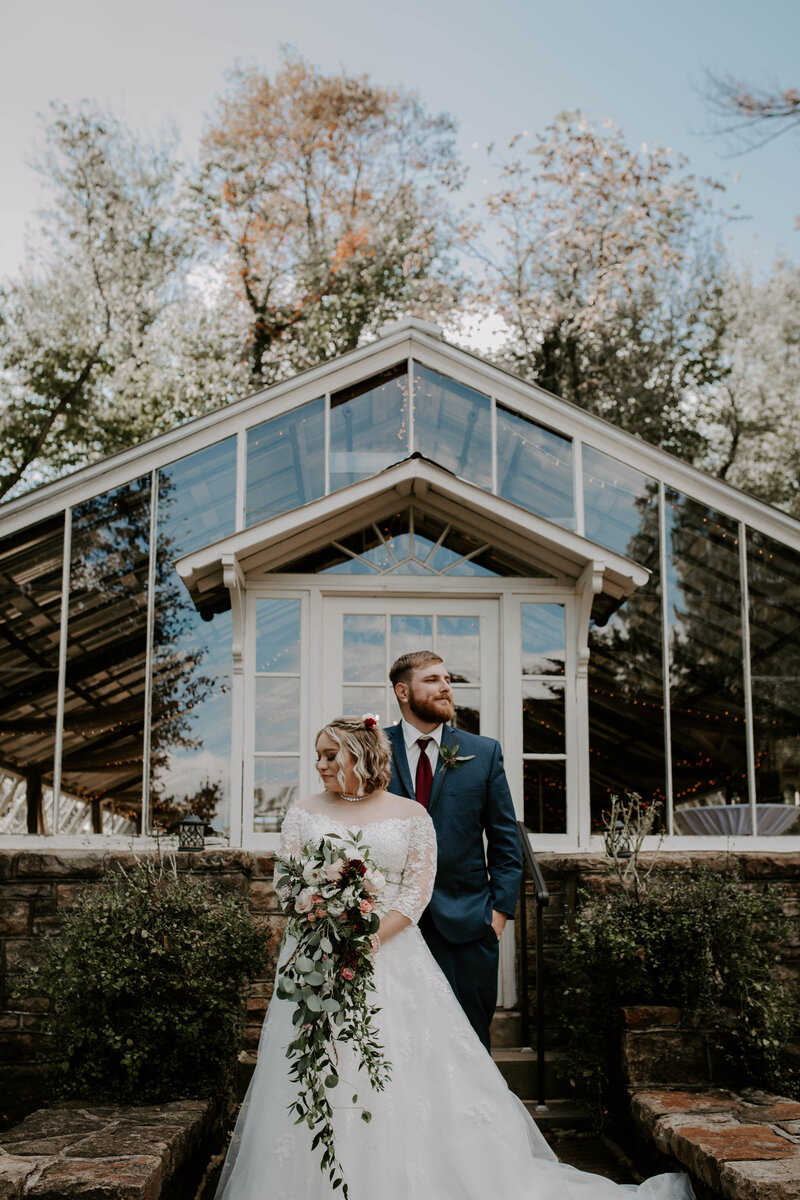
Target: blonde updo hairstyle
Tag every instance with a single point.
(370, 751)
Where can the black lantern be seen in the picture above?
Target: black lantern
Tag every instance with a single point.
(618, 840)
(191, 831)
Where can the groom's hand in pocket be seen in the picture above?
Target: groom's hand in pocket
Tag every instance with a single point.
(498, 923)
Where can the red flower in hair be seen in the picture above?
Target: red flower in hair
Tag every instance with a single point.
(371, 720)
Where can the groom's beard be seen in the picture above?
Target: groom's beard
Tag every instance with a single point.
(432, 711)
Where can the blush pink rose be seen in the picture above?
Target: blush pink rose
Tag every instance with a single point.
(366, 906)
(304, 901)
(347, 973)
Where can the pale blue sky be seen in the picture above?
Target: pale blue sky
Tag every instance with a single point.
(499, 67)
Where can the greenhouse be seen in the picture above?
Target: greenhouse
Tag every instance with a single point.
(178, 620)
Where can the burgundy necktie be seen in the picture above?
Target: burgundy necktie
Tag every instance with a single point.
(424, 778)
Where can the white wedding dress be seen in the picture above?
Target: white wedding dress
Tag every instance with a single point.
(446, 1127)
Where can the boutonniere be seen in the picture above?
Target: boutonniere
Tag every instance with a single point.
(451, 758)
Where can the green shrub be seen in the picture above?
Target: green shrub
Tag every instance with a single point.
(694, 938)
(146, 976)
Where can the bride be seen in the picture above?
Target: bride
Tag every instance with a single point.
(446, 1127)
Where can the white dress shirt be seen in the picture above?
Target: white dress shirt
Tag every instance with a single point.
(411, 735)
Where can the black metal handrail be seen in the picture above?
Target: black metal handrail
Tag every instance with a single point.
(542, 897)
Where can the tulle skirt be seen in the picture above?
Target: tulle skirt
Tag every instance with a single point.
(446, 1127)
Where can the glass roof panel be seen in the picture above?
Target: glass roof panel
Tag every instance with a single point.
(285, 462)
(453, 425)
(197, 498)
(369, 427)
(617, 500)
(534, 467)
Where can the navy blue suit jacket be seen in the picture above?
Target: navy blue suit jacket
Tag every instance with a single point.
(467, 801)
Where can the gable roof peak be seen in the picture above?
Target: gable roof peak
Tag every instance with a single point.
(413, 324)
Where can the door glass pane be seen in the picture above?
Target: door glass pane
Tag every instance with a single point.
(277, 713)
(542, 717)
(458, 643)
(409, 634)
(364, 648)
(278, 635)
(276, 784)
(543, 639)
(545, 790)
(360, 700)
(468, 709)
(369, 427)
(452, 426)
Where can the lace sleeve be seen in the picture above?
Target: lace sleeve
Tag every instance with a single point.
(289, 844)
(416, 884)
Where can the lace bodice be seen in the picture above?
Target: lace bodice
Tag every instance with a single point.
(403, 848)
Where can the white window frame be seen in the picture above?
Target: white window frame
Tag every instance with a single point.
(377, 593)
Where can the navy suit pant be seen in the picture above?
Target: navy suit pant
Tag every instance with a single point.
(471, 970)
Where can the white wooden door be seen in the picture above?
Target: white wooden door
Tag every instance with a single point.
(363, 635)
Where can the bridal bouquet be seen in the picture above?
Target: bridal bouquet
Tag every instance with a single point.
(329, 892)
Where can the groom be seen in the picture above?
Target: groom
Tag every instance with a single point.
(459, 778)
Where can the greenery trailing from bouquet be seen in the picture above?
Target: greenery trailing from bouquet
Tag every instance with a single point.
(329, 892)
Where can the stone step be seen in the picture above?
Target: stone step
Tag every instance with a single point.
(110, 1150)
(738, 1146)
(562, 1118)
(506, 1029)
(519, 1069)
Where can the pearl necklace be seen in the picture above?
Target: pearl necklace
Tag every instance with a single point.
(352, 799)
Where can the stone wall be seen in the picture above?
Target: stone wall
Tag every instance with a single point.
(569, 875)
(36, 889)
